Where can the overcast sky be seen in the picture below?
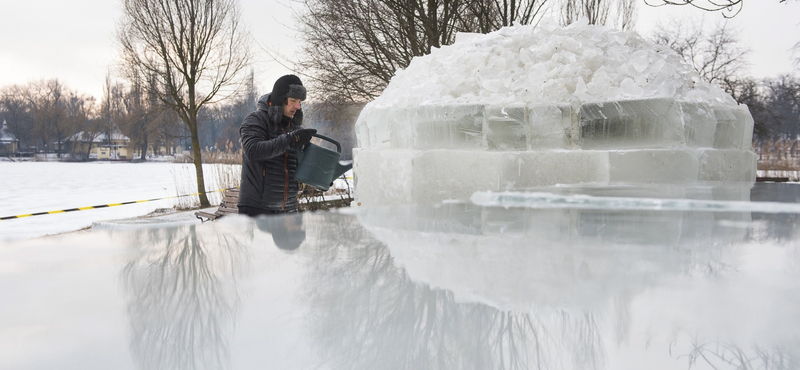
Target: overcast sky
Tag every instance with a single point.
(74, 40)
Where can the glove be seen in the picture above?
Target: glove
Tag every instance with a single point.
(302, 136)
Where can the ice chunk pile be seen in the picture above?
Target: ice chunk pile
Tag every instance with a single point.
(548, 64)
(524, 107)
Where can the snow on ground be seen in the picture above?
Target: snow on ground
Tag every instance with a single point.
(30, 187)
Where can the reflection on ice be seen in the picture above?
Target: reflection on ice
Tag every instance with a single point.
(181, 295)
(452, 286)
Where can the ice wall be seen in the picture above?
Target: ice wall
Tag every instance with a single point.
(525, 107)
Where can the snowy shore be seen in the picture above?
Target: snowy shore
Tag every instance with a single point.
(30, 187)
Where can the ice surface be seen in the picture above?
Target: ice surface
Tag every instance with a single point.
(531, 106)
(52, 186)
(567, 288)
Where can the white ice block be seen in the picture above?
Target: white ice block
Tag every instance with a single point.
(730, 130)
(549, 126)
(727, 165)
(553, 167)
(678, 165)
(449, 174)
(372, 128)
(362, 136)
(455, 174)
(506, 128)
(628, 124)
(432, 153)
(382, 176)
(439, 127)
(699, 124)
(745, 120)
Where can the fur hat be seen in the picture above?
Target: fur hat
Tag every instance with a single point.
(288, 86)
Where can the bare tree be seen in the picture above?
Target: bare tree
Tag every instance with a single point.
(352, 48)
(195, 49)
(596, 11)
(617, 13)
(16, 112)
(627, 13)
(46, 101)
(46, 112)
(80, 111)
(112, 110)
(729, 8)
(782, 98)
(491, 15)
(716, 56)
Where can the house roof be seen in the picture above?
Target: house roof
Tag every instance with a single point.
(5, 134)
(100, 137)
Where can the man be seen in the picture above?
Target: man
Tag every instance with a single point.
(270, 137)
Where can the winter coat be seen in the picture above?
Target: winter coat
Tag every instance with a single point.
(268, 159)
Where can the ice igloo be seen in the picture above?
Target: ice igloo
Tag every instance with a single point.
(524, 107)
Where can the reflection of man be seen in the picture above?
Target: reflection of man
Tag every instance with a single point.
(287, 231)
(270, 137)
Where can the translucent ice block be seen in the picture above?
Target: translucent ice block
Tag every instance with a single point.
(651, 123)
(730, 132)
(362, 136)
(440, 127)
(372, 127)
(503, 221)
(699, 124)
(382, 176)
(745, 119)
(456, 174)
(550, 167)
(677, 165)
(505, 128)
(727, 165)
(549, 126)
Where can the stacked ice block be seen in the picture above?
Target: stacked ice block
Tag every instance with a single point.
(431, 153)
(533, 106)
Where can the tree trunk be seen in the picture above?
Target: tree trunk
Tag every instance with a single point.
(143, 156)
(198, 162)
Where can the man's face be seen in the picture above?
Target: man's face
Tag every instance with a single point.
(292, 105)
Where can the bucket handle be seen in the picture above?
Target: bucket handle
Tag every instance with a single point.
(323, 137)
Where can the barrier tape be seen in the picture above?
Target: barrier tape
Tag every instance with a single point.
(103, 206)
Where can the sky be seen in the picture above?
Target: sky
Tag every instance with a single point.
(74, 40)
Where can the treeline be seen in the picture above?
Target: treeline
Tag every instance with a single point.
(48, 116)
(774, 104)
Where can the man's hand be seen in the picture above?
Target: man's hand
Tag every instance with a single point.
(302, 136)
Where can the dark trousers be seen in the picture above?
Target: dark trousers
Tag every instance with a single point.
(253, 211)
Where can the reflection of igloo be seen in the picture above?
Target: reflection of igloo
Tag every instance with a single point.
(426, 140)
(520, 258)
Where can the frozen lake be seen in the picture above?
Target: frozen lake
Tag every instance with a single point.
(644, 282)
(30, 187)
